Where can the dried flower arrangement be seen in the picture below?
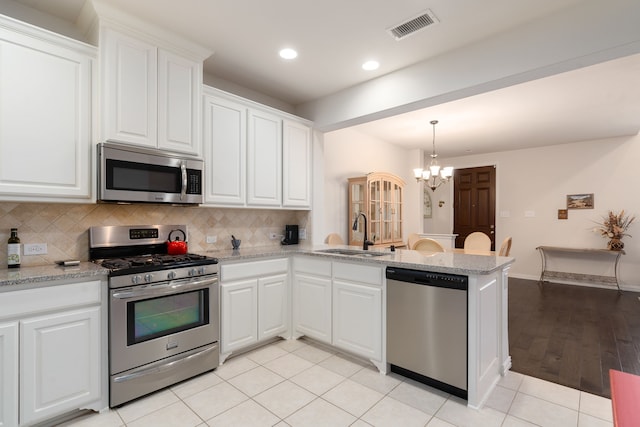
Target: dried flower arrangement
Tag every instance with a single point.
(614, 227)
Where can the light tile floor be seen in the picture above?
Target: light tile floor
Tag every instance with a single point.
(298, 383)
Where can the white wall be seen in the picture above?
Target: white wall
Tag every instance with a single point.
(539, 180)
(349, 153)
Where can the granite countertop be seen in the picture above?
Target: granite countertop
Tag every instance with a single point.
(19, 278)
(439, 262)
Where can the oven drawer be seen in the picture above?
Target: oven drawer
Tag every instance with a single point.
(163, 373)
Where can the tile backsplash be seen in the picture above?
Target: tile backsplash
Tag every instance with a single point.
(65, 227)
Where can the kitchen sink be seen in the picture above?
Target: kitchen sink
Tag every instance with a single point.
(352, 252)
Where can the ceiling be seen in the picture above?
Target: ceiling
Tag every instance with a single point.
(334, 37)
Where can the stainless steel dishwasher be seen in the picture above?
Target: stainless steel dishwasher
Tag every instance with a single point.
(427, 328)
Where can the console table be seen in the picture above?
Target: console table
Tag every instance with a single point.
(548, 251)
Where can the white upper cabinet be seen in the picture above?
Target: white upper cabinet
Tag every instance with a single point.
(179, 91)
(45, 115)
(225, 151)
(255, 156)
(264, 159)
(150, 94)
(296, 165)
(129, 89)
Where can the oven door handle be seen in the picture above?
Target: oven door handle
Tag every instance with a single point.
(167, 288)
(163, 367)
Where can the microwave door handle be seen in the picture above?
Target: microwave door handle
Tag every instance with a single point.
(183, 168)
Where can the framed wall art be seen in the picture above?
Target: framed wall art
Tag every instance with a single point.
(580, 201)
(427, 203)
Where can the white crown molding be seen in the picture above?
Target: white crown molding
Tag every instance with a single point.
(111, 17)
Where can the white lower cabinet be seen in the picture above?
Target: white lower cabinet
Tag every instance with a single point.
(357, 314)
(340, 303)
(52, 352)
(254, 303)
(312, 306)
(273, 307)
(8, 374)
(60, 354)
(239, 314)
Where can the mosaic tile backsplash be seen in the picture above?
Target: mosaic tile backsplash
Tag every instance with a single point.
(65, 227)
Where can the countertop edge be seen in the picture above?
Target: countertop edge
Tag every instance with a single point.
(17, 279)
(465, 264)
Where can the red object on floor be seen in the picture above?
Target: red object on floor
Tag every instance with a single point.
(625, 398)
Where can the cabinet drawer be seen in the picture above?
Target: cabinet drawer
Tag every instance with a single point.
(244, 270)
(311, 265)
(19, 303)
(358, 273)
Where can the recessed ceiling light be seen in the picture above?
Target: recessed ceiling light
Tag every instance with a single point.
(288, 53)
(370, 65)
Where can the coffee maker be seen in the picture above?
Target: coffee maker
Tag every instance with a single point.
(290, 235)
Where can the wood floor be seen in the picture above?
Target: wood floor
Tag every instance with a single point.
(573, 335)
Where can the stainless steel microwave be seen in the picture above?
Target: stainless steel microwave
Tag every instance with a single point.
(136, 174)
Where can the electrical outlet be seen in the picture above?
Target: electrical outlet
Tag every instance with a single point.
(212, 239)
(35, 249)
(302, 234)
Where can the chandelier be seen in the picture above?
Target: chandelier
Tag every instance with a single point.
(434, 176)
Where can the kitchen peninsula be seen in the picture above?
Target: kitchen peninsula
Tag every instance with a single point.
(337, 299)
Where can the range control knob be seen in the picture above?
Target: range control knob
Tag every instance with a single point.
(148, 278)
(193, 272)
(202, 271)
(171, 275)
(135, 279)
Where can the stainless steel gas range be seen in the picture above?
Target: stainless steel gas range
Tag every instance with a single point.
(163, 309)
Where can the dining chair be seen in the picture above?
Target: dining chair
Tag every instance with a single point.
(334, 239)
(477, 241)
(427, 245)
(506, 247)
(412, 239)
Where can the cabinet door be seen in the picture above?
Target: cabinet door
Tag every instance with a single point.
(296, 164)
(179, 86)
(129, 89)
(273, 306)
(60, 363)
(357, 319)
(8, 374)
(264, 159)
(239, 312)
(225, 147)
(312, 307)
(45, 117)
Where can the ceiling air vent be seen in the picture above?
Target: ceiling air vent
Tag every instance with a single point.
(413, 25)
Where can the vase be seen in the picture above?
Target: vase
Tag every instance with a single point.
(615, 245)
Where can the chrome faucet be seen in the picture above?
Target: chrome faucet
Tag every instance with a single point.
(365, 241)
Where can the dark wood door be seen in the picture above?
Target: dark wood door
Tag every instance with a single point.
(474, 203)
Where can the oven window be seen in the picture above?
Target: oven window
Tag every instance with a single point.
(132, 176)
(157, 317)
